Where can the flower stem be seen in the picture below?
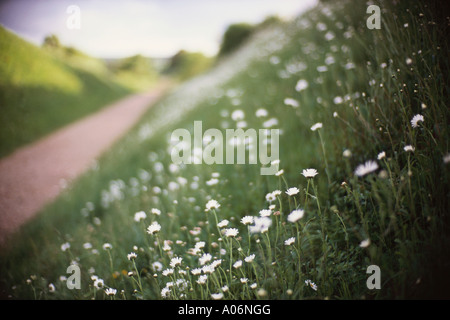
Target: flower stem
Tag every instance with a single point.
(306, 194)
(325, 158)
(231, 261)
(138, 276)
(269, 248)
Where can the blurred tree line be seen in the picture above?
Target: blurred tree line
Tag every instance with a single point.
(236, 34)
(183, 65)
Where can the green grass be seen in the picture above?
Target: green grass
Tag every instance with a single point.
(41, 91)
(401, 207)
(136, 73)
(184, 65)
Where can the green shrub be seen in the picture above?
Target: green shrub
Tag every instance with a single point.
(234, 36)
(184, 64)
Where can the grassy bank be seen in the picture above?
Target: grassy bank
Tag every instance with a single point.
(365, 108)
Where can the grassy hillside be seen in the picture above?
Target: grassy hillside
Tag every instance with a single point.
(366, 108)
(184, 65)
(42, 90)
(137, 73)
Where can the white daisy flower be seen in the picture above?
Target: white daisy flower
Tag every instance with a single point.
(250, 258)
(212, 182)
(200, 244)
(261, 113)
(196, 271)
(138, 216)
(302, 84)
(165, 292)
(206, 257)
(329, 35)
(329, 60)
(166, 245)
(270, 123)
(65, 246)
(321, 26)
(157, 266)
(446, 158)
(295, 215)
(409, 148)
(247, 220)
(111, 291)
(338, 100)
(276, 193)
(202, 279)
(212, 204)
(289, 241)
(367, 167)
(156, 211)
(223, 223)
(237, 264)
(167, 272)
(107, 246)
(99, 283)
(155, 227)
(381, 155)
(217, 296)
(87, 245)
(311, 284)
(347, 153)
(237, 115)
(208, 269)
(349, 66)
(365, 243)
(175, 261)
(261, 225)
(292, 191)
(231, 232)
(270, 197)
(416, 119)
(244, 280)
(131, 256)
(291, 102)
(309, 173)
(316, 126)
(265, 213)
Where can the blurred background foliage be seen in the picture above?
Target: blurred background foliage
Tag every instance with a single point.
(44, 88)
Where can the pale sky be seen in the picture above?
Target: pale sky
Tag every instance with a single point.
(157, 28)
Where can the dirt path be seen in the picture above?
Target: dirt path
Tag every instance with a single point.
(31, 177)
